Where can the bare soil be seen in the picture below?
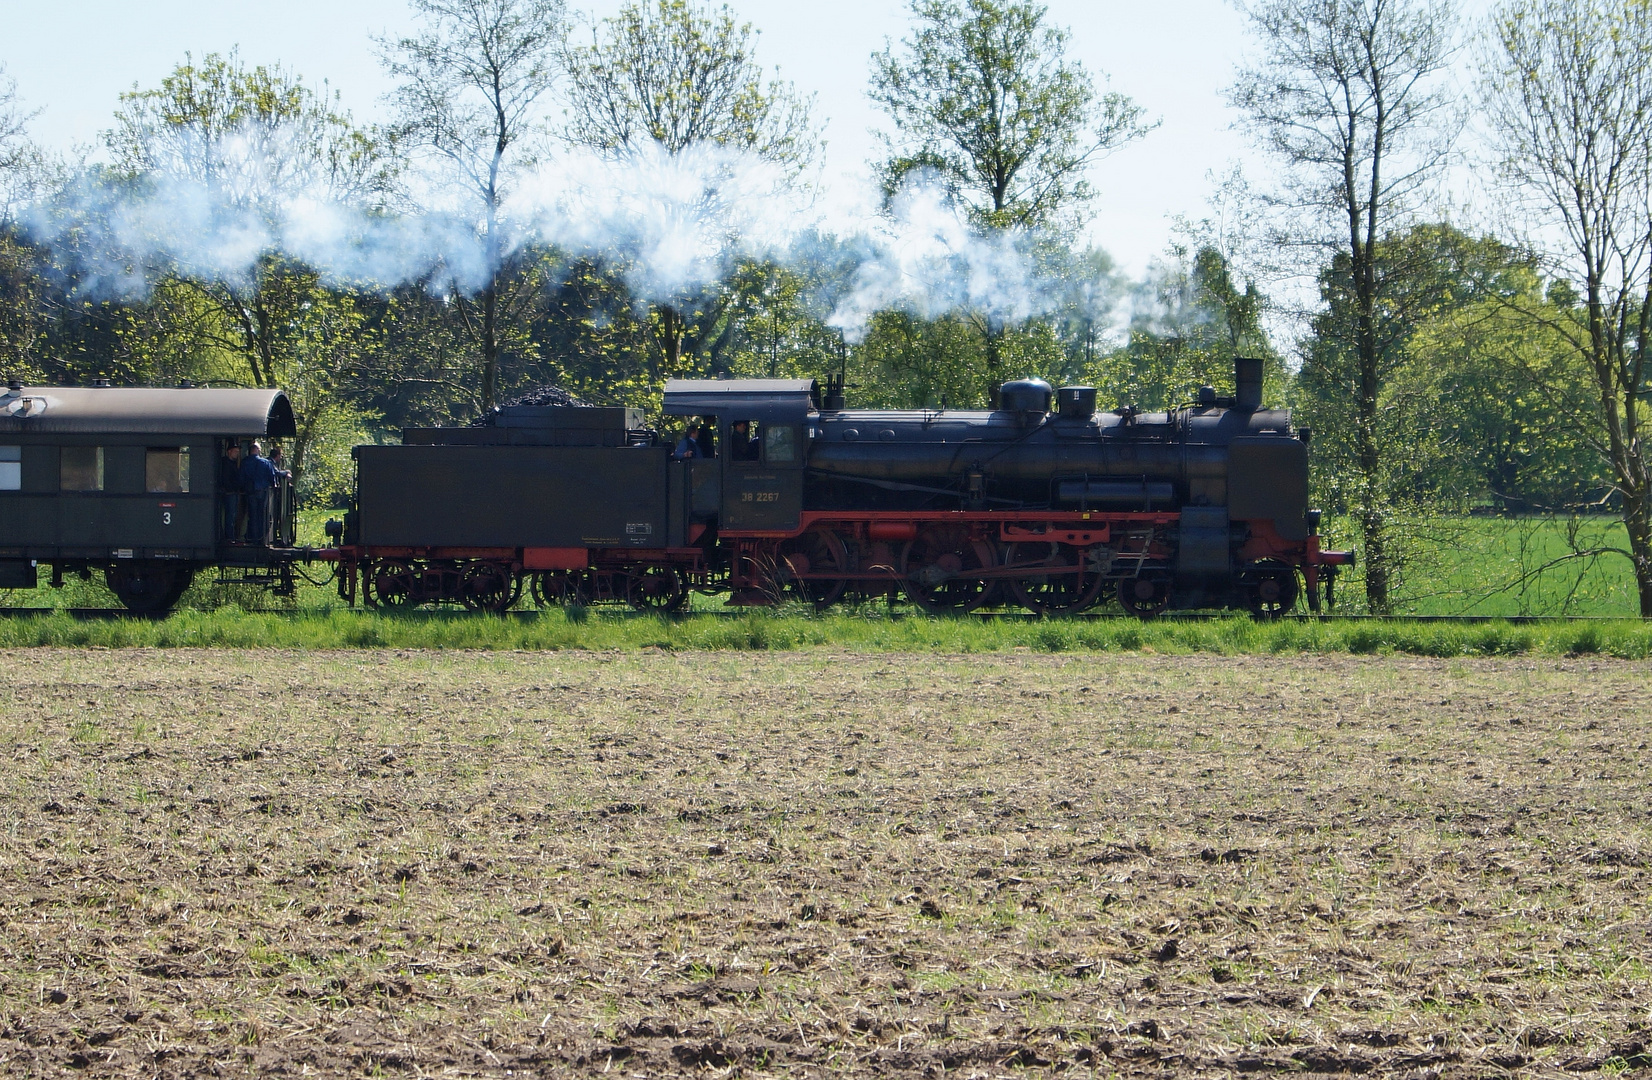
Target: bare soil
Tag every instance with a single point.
(646, 863)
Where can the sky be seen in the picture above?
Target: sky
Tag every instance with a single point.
(72, 59)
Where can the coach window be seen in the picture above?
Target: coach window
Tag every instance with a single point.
(11, 468)
(166, 469)
(779, 444)
(80, 468)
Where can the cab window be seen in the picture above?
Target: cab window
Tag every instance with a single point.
(166, 469)
(11, 468)
(779, 444)
(80, 468)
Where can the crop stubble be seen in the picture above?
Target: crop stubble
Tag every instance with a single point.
(651, 863)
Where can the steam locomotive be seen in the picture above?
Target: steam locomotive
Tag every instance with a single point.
(1042, 502)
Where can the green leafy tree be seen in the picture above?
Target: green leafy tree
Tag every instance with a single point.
(251, 138)
(984, 94)
(670, 76)
(1190, 321)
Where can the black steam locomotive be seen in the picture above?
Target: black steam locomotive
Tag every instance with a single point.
(1041, 502)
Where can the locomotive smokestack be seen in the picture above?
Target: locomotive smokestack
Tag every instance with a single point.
(1247, 382)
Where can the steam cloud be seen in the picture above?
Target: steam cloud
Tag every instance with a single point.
(671, 225)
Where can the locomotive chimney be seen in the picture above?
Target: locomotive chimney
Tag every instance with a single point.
(1247, 382)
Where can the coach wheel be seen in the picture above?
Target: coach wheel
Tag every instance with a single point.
(1270, 589)
(390, 584)
(146, 589)
(488, 587)
(655, 589)
(1144, 597)
(818, 551)
(1051, 578)
(942, 566)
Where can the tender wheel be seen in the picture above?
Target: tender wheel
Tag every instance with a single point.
(819, 551)
(1270, 589)
(1054, 579)
(390, 584)
(1144, 597)
(940, 568)
(488, 587)
(655, 589)
(146, 589)
(559, 587)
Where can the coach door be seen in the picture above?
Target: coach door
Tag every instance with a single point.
(762, 475)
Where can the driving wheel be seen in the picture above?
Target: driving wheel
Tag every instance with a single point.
(1051, 578)
(942, 568)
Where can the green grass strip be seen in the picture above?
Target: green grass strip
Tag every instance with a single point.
(558, 629)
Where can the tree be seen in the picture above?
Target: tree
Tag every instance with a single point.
(1189, 321)
(670, 77)
(20, 160)
(1568, 96)
(1346, 97)
(473, 89)
(983, 94)
(246, 141)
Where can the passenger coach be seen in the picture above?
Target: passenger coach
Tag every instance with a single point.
(125, 482)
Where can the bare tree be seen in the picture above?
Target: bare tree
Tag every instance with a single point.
(671, 75)
(19, 158)
(1346, 96)
(473, 88)
(1568, 96)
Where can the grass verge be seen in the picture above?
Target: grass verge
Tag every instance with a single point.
(759, 631)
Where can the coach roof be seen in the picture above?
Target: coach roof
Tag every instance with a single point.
(772, 400)
(122, 410)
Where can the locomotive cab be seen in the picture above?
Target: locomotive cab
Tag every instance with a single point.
(763, 427)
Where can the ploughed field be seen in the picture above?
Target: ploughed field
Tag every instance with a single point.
(273, 863)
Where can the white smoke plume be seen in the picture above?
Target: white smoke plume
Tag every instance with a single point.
(670, 225)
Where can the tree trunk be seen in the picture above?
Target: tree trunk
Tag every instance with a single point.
(490, 347)
(671, 340)
(1373, 519)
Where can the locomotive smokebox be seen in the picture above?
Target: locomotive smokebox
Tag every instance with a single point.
(1076, 402)
(1247, 382)
(1029, 397)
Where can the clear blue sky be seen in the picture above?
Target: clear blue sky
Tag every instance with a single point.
(72, 58)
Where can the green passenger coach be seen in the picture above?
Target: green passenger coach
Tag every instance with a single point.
(125, 482)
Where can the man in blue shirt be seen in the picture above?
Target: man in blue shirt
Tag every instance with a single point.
(689, 445)
(258, 475)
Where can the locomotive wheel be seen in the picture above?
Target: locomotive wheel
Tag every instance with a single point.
(655, 589)
(939, 567)
(1059, 593)
(1270, 589)
(1144, 597)
(146, 589)
(488, 587)
(818, 551)
(390, 584)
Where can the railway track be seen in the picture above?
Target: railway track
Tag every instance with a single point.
(93, 614)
